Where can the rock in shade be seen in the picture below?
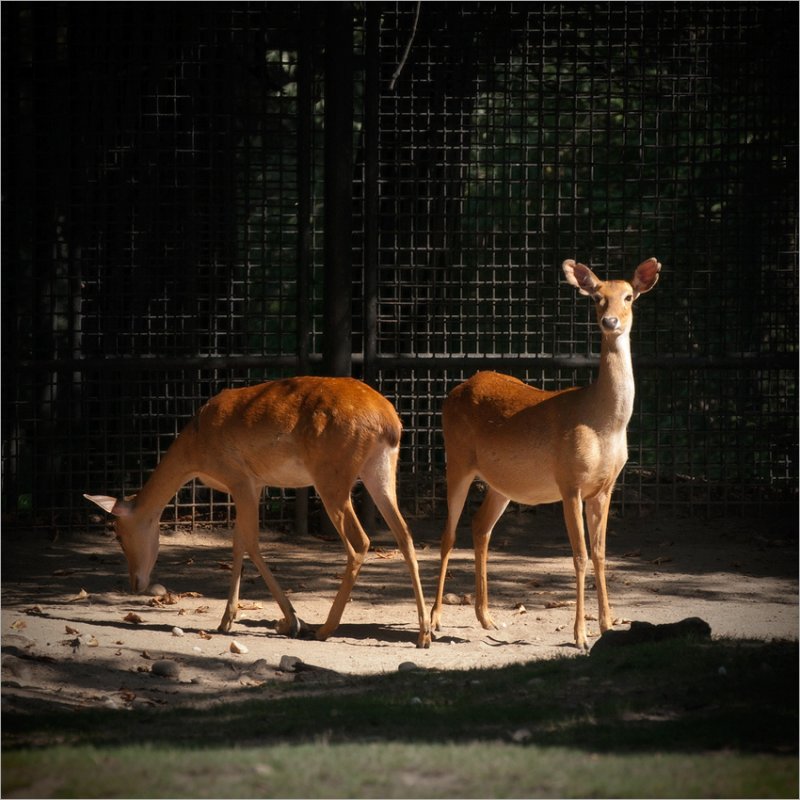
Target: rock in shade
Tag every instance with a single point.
(165, 668)
(18, 668)
(643, 632)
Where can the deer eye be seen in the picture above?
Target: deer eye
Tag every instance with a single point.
(628, 298)
(599, 299)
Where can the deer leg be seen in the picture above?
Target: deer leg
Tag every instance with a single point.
(356, 545)
(483, 523)
(246, 539)
(457, 491)
(597, 519)
(232, 604)
(379, 478)
(573, 517)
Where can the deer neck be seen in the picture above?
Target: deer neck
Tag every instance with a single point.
(614, 389)
(174, 469)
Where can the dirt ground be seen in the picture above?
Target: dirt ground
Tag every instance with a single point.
(73, 636)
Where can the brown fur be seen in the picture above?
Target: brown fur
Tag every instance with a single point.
(534, 446)
(309, 431)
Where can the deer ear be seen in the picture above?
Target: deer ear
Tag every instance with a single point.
(646, 276)
(119, 508)
(581, 277)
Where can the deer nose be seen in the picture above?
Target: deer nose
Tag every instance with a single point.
(139, 584)
(610, 323)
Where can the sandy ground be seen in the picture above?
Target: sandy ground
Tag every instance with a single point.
(73, 636)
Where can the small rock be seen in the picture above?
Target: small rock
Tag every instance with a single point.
(521, 735)
(290, 664)
(416, 701)
(17, 667)
(17, 641)
(156, 590)
(238, 648)
(177, 631)
(165, 668)
(407, 666)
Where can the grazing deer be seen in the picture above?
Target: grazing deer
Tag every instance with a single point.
(533, 446)
(321, 432)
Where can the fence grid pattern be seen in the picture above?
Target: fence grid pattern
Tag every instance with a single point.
(164, 229)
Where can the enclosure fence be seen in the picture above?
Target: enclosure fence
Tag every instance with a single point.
(205, 195)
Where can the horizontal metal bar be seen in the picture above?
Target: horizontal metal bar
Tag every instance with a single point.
(156, 363)
(788, 361)
(747, 362)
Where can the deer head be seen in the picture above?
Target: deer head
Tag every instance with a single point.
(613, 299)
(137, 535)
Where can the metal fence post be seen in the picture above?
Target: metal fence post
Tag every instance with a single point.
(338, 288)
(305, 75)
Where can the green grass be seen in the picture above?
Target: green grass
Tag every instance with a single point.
(477, 769)
(646, 721)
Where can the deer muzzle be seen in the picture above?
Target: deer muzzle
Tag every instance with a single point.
(610, 323)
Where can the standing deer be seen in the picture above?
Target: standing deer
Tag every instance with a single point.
(534, 446)
(321, 432)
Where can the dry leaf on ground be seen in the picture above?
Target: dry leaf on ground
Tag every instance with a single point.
(557, 603)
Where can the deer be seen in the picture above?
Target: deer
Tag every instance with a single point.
(533, 446)
(289, 433)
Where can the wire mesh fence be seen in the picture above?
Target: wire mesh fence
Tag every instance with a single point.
(164, 229)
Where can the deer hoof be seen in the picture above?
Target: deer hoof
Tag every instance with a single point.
(424, 641)
(290, 627)
(225, 625)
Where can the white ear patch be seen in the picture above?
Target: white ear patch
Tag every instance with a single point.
(105, 502)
